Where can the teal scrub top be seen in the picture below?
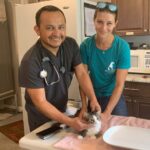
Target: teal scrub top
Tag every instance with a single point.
(103, 65)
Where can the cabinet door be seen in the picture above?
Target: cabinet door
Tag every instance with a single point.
(132, 17)
(130, 105)
(6, 73)
(138, 99)
(149, 16)
(143, 107)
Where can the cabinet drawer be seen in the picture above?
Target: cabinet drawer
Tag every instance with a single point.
(137, 89)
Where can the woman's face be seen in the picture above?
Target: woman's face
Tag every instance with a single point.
(104, 24)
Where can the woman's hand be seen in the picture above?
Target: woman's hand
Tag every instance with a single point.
(105, 116)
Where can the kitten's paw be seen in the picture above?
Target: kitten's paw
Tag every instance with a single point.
(80, 137)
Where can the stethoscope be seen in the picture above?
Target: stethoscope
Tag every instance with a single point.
(44, 73)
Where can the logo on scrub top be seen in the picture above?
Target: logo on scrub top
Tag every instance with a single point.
(111, 68)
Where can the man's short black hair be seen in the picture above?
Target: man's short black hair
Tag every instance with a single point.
(48, 8)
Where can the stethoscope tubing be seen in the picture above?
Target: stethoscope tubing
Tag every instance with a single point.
(44, 75)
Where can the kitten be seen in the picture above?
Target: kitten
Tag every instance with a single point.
(94, 131)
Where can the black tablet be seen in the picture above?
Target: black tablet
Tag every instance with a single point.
(44, 134)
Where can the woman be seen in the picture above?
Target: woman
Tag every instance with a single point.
(107, 58)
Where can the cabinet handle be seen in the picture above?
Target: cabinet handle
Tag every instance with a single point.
(131, 89)
(145, 30)
(129, 100)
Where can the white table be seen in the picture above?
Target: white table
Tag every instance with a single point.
(67, 140)
(32, 142)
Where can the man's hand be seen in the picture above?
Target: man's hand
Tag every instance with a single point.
(95, 106)
(78, 124)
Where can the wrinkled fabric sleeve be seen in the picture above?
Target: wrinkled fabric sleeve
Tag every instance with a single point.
(76, 54)
(29, 74)
(124, 56)
(83, 52)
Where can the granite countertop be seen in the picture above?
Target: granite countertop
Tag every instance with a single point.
(138, 78)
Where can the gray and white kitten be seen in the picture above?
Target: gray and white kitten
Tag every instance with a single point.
(92, 118)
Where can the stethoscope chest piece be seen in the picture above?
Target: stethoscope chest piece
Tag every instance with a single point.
(43, 73)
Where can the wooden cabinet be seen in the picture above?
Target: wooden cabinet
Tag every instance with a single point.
(138, 99)
(7, 89)
(7, 80)
(133, 17)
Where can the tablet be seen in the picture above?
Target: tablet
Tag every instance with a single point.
(44, 134)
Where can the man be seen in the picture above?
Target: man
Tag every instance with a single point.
(46, 72)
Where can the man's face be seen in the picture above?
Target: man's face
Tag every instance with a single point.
(52, 29)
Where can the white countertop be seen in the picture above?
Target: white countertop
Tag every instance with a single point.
(67, 140)
(32, 142)
(138, 78)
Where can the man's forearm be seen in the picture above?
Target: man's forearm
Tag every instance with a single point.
(53, 113)
(86, 86)
(83, 99)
